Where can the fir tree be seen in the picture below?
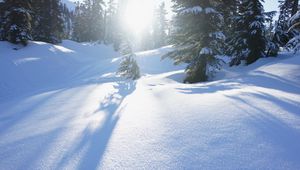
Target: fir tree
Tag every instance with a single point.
(89, 21)
(197, 37)
(111, 19)
(295, 6)
(17, 21)
(294, 23)
(282, 35)
(67, 17)
(160, 27)
(128, 66)
(249, 42)
(48, 25)
(1, 21)
(80, 23)
(229, 10)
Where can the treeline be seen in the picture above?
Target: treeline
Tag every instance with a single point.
(207, 29)
(40, 20)
(201, 31)
(91, 21)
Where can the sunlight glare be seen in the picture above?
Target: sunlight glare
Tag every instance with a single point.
(138, 15)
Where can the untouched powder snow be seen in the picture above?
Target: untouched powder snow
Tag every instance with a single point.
(62, 107)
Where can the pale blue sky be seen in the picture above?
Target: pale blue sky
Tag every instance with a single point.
(271, 5)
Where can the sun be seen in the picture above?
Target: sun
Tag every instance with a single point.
(139, 15)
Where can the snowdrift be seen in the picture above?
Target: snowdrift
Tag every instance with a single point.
(63, 107)
(41, 65)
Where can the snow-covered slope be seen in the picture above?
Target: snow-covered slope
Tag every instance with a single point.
(41, 65)
(87, 118)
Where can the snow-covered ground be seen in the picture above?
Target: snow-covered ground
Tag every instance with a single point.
(62, 107)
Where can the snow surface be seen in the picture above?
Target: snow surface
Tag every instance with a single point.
(62, 107)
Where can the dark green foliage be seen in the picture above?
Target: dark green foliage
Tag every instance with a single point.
(249, 42)
(89, 21)
(48, 21)
(160, 27)
(67, 17)
(229, 10)
(282, 34)
(112, 30)
(197, 38)
(128, 66)
(17, 21)
(1, 21)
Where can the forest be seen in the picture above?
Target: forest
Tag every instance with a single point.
(149, 84)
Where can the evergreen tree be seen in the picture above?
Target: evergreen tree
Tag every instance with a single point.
(128, 66)
(197, 37)
(89, 21)
(67, 17)
(294, 43)
(80, 23)
(17, 21)
(1, 20)
(48, 25)
(160, 27)
(282, 35)
(295, 6)
(249, 42)
(111, 19)
(229, 10)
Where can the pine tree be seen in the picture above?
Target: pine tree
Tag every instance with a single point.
(269, 18)
(160, 27)
(111, 31)
(17, 21)
(48, 25)
(229, 10)
(128, 66)
(1, 20)
(67, 17)
(295, 6)
(197, 37)
(282, 35)
(294, 23)
(89, 21)
(249, 42)
(80, 23)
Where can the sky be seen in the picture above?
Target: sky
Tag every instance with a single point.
(270, 5)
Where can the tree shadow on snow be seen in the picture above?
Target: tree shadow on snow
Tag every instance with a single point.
(210, 87)
(94, 140)
(274, 128)
(256, 78)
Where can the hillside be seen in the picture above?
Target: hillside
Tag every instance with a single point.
(63, 107)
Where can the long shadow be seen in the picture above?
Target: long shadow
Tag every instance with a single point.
(272, 129)
(271, 81)
(7, 120)
(210, 87)
(94, 141)
(259, 79)
(37, 145)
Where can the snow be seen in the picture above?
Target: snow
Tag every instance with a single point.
(206, 51)
(62, 107)
(210, 10)
(192, 10)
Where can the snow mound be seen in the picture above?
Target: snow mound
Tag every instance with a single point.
(77, 114)
(42, 65)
